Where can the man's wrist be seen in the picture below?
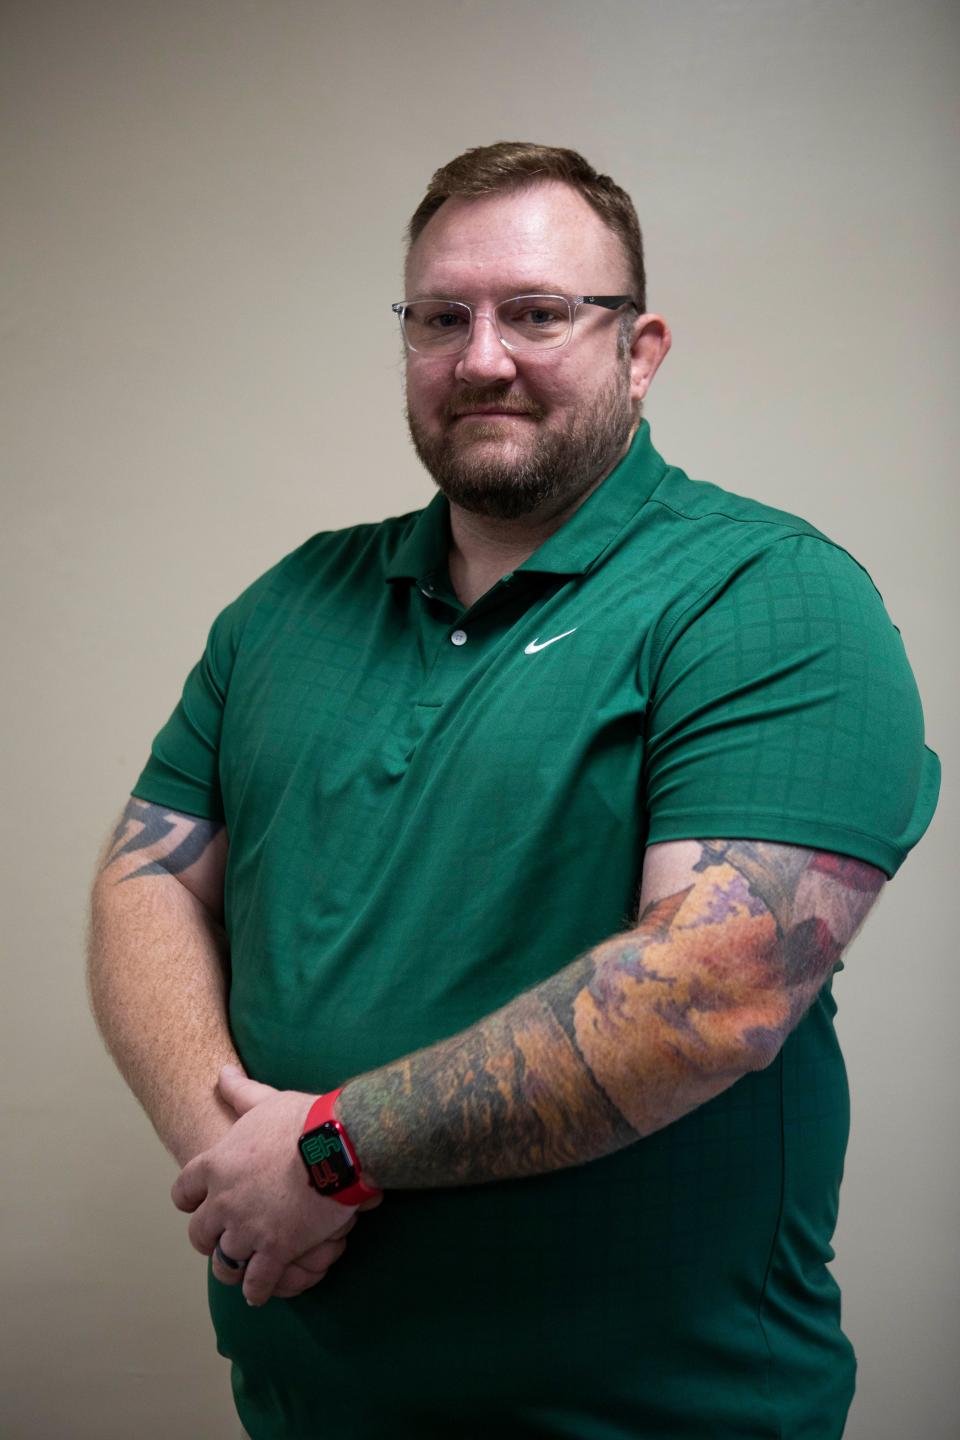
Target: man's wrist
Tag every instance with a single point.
(201, 1131)
(330, 1154)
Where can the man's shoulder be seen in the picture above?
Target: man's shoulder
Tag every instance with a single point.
(354, 559)
(696, 539)
(701, 535)
(333, 552)
(710, 507)
(359, 554)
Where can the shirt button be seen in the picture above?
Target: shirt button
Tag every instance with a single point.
(459, 637)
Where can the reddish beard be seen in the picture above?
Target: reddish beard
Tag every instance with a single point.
(559, 465)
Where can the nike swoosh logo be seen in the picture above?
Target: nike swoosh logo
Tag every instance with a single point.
(536, 645)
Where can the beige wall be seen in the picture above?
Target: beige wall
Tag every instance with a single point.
(203, 205)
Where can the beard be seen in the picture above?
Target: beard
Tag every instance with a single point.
(556, 469)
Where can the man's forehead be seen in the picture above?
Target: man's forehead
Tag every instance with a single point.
(537, 238)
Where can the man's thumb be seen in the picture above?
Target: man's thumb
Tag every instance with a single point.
(240, 1092)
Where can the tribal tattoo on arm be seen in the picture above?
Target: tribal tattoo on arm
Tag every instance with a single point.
(159, 969)
(628, 1038)
(154, 840)
(143, 826)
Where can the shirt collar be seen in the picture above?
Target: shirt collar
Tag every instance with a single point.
(424, 547)
(573, 548)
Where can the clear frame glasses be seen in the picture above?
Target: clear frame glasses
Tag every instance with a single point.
(525, 322)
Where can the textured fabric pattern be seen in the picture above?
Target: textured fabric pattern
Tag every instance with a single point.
(431, 809)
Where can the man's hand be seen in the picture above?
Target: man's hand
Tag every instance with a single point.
(251, 1193)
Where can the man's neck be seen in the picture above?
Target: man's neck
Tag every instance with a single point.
(485, 547)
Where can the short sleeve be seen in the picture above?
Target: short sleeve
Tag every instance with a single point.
(183, 771)
(784, 709)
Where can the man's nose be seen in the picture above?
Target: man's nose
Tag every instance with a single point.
(485, 358)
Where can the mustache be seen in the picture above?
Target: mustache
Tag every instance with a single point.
(470, 402)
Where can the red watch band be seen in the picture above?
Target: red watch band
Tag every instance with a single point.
(321, 1113)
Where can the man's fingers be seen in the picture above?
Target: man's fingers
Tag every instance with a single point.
(249, 1190)
(260, 1278)
(372, 1203)
(302, 1274)
(205, 1229)
(294, 1281)
(344, 1229)
(228, 1263)
(190, 1187)
(240, 1092)
(317, 1262)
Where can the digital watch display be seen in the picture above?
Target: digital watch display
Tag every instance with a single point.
(331, 1160)
(328, 1159)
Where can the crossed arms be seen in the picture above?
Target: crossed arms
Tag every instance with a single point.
(733, 942)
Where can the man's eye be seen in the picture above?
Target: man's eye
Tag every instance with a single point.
(536, 316)
(445, 320)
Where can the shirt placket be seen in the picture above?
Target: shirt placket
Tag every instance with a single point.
(455, 639)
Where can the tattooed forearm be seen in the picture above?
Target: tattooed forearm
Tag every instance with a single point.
(629, 1037)
(176, 841)
(508, 1096)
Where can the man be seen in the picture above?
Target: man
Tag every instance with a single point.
(414, 787)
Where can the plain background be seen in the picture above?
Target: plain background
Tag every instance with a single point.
(203, 203)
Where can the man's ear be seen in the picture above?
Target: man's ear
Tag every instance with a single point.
(648, 349)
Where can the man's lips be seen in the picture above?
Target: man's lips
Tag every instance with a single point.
(494, 411)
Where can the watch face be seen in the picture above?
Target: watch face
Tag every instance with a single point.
(329, 1161)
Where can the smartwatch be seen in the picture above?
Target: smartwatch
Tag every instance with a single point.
(329, 1155)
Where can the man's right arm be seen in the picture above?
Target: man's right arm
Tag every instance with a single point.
(158, 986)
(158, 970)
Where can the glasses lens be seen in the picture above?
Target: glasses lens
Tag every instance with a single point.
(436, 325)
(535, 321)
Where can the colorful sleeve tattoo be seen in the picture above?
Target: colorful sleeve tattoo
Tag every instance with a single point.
(630, 1036)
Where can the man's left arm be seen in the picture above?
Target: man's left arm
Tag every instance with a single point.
(735, 939)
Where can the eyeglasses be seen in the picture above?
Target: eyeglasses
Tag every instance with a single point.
(526, 322)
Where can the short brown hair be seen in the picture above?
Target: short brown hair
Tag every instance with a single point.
(515, 164)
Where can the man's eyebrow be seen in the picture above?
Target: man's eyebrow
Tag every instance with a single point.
(504, 291)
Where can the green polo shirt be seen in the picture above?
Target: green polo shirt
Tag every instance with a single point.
(432, 808)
